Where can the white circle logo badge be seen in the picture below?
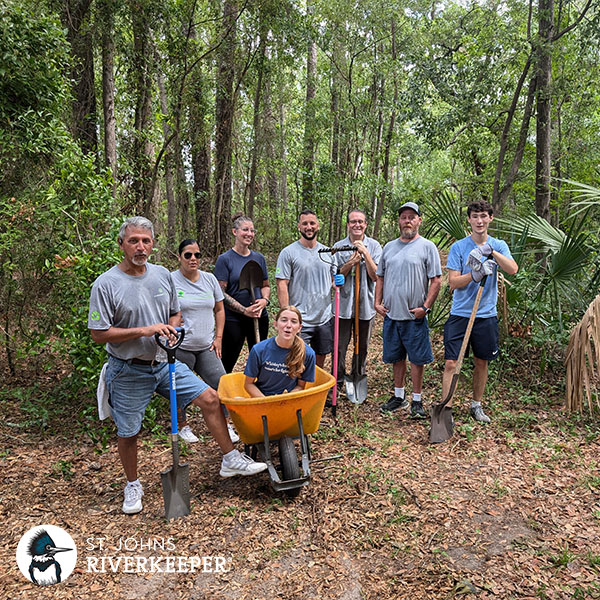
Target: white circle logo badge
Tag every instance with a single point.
(46, 555)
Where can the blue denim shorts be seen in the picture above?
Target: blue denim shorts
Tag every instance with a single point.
(406, 338)
(131, 387)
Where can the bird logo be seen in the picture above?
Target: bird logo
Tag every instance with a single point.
(38, 554)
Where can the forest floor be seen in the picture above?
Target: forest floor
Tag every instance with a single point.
(508, 510)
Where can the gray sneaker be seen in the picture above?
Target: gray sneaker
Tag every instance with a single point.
(478, 414)
(132, 503)
(417, 411)
(394, 404)
(240, 464)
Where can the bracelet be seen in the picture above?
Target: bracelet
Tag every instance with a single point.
(425, 309)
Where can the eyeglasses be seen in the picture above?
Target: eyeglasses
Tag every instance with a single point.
(188, 255)
(357, 222)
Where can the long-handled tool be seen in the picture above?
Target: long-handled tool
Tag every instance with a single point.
(356, 384)
(442, 425)
(339, 281)
(251, 277)
(176, 479)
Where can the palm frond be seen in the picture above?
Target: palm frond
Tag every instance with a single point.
(589, 195)
(445, 221)
(538, 231)
(582, 360)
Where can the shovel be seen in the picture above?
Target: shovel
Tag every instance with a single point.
(251, 276)
(176, 479)
(442, 424)
(356, 385)
(339, 280)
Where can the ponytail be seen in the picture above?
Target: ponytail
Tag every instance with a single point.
(295, 358)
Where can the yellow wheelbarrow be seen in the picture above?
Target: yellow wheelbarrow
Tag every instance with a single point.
(279, 418)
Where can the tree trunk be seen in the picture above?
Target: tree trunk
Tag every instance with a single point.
(167, 133)
(504, 140)
(143, 148)
(108, 89)
(387, 144)
(77, 21)
(256, 122)
(308, 156)
(224, 125)
(543, 156)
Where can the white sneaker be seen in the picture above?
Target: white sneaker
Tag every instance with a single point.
(240, 464)
(187, 435)
(133, 498)
(233, 436)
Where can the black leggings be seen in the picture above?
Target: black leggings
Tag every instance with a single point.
(236, 332)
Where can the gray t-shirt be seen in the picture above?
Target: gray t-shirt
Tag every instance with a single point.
(407, 268)
(197, 300)
(126, 301)
(309, 282)
(366, 303)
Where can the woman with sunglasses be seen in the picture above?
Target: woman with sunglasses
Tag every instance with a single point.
(240, 311)
(203, 316)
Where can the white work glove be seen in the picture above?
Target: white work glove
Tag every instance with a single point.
(480, 267)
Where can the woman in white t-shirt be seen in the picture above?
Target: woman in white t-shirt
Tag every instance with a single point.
(203, 315)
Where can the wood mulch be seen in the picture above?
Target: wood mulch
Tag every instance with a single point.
(509, 510)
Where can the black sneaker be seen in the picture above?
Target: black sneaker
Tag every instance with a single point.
(417, 411)
(394, 404)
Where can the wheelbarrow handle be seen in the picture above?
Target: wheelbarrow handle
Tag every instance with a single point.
(168, 348)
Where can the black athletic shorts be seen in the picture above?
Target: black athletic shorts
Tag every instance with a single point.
(483, 340)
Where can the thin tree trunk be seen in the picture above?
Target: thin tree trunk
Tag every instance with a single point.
(77, 20)
(224, 125)
(387, 143)
(108, 90)
(143, 148)
(167, 132)
(504, 140)
(256, 123)
(544, 103)
(308, 156)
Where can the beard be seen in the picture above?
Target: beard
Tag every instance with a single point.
(139, 260)
(409, 235)
(309, 237)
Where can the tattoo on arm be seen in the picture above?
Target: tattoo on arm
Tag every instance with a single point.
(233, 304)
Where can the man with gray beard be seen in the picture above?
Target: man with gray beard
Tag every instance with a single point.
(409, 277)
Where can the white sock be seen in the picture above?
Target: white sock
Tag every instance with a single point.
(475, 404)
(136, 482)
(399, 392)
(416, 397)
(231, 455)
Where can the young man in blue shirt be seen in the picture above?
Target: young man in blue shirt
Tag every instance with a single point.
(464, 282)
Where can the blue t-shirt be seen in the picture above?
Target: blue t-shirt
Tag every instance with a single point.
(464, 298)
(228, 268)
(266, 363)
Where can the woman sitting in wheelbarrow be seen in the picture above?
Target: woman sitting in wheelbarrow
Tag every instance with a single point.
(283, 363)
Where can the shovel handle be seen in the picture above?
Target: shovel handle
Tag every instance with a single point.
(168, 348)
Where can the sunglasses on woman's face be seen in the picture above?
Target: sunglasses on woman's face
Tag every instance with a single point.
(188, 255)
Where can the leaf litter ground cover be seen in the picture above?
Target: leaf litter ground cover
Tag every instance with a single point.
(509, 510)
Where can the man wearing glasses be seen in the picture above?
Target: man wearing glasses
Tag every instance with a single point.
(367, 254)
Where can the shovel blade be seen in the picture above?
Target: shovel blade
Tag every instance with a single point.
(442, 424)
(356, 388)
(176, 491)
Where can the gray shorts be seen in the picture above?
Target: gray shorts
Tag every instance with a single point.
(319, 338)
(203, 362)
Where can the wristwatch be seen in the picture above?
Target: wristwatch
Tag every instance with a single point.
(425, 309)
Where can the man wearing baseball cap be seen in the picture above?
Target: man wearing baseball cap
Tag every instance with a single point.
(409, 277)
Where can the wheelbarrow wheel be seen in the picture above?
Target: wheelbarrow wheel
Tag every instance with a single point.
(290, 469)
